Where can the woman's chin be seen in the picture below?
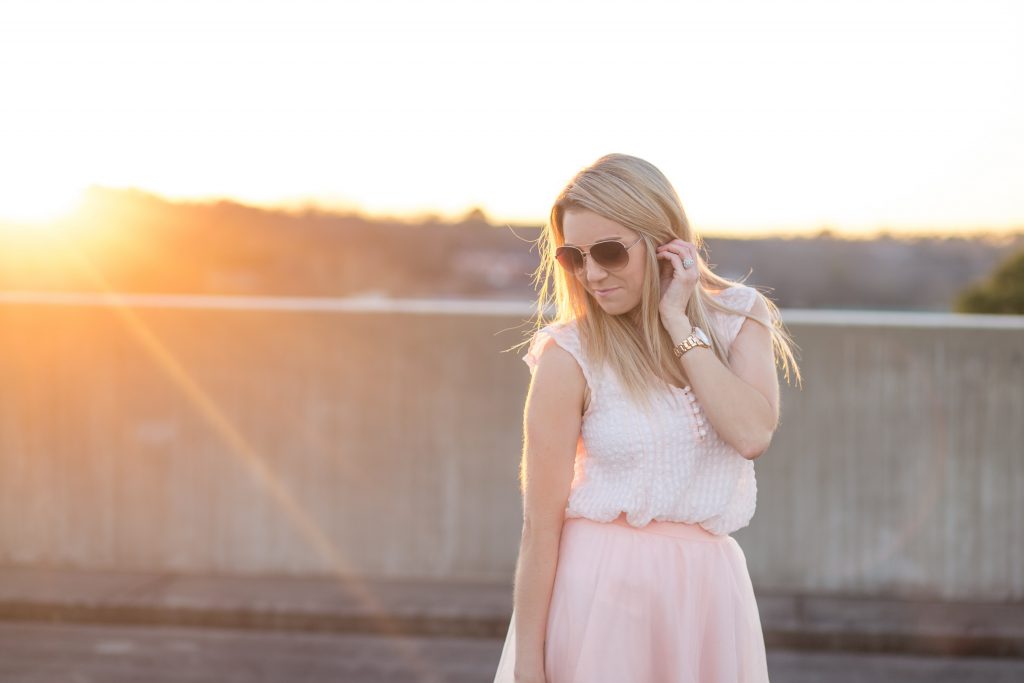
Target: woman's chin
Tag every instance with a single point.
(615, 308)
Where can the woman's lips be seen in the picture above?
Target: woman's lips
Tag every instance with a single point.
(606, 292)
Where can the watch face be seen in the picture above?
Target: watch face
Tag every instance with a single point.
(699, 333)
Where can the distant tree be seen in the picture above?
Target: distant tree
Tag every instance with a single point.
(475, 215)
(1002, 292)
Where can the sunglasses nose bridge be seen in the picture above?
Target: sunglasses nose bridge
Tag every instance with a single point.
(583, 260)
(587, 260)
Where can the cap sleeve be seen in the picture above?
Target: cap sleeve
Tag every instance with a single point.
(565, 335)
(741, 298)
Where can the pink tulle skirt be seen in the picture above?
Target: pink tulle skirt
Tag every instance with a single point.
(665, 603)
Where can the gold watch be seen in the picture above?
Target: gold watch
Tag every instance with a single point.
(696, 338)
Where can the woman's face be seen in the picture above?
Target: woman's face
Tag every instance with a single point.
(582, 228)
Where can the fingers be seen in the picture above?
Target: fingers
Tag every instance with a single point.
(673, 258)
(677, 246)
(682, 248)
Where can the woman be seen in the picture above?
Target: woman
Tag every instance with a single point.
(642, 424)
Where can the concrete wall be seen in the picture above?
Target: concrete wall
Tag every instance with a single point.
(314, 436)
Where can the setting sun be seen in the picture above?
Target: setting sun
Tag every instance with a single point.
(35, 206)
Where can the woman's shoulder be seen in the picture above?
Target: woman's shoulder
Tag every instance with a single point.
(739, 299)
(563, 332)
(735, 296)
(570, 325)
(566, 332)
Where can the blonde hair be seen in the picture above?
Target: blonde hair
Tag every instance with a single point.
(635, 194)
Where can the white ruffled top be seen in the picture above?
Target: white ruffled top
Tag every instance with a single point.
(668, 464)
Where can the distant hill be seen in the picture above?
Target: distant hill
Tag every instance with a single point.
(127, 240)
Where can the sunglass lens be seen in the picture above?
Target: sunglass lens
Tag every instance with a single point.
(610, 255)
(570, 258)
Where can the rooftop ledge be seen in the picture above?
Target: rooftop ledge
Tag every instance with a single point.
(382, 304)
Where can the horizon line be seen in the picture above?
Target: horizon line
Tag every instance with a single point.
(305, 205)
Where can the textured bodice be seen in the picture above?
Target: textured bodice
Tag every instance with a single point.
(665, 463)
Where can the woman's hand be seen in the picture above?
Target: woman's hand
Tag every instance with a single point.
(677, 282)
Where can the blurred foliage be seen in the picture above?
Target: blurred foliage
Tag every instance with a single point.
(129, 240)
(1001, 292)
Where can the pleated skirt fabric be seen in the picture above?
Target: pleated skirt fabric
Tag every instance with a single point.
(665, 603)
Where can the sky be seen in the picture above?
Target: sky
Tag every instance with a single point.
(770, 116)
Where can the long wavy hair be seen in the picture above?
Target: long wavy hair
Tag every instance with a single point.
(635, 194)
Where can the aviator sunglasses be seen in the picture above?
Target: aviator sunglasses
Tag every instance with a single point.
(609, 254)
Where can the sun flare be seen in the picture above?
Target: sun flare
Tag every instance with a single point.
(36, 206)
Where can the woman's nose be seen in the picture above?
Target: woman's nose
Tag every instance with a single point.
(593, 270)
